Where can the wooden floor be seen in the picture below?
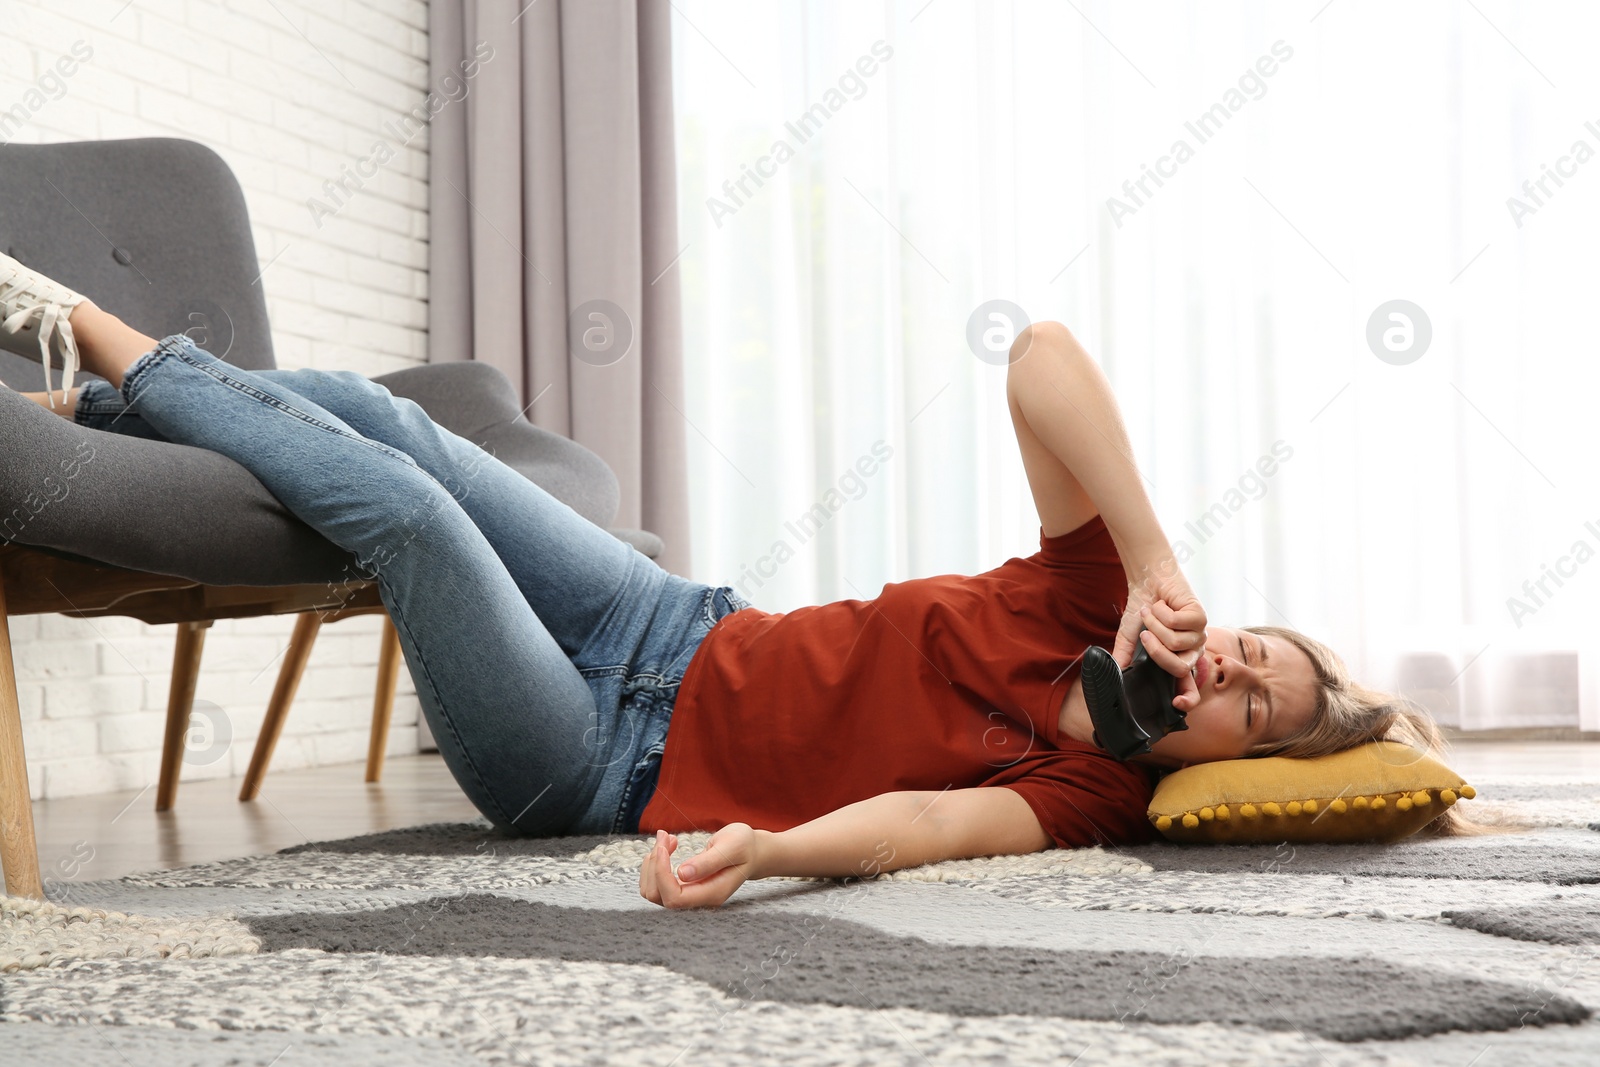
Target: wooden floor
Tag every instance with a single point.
(1558, 759)
(113, 834)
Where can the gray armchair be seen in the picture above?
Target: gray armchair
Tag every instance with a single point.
(95, 523)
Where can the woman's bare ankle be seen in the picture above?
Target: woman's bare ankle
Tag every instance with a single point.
(107, 346)
(66, 402)
(86, 320)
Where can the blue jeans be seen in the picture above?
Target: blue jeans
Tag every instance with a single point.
(546, 652)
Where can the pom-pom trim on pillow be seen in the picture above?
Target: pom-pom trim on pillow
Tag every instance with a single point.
(1380, 791)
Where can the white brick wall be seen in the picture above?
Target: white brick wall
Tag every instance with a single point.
(287, 92)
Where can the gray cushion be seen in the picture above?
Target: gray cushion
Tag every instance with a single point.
(148, 505)
(645, 541)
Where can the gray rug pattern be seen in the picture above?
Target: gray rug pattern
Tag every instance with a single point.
(839, 961)
(457, 944)
(541, 1012)
(944, 914)
(1557, 856)
(1323, 896)
(1571, 922)
(159, 1046)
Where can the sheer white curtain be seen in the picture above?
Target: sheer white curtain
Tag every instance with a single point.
(1336, 157)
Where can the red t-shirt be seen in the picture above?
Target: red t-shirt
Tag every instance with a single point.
(950, 681)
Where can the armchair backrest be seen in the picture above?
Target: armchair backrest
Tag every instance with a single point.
(153, 229)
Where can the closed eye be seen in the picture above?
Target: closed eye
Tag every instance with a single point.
(1248, 717)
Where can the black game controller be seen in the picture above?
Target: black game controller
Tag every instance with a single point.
(1131, 709)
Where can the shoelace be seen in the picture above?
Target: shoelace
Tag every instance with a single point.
(51, 321)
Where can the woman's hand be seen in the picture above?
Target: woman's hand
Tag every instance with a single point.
(702, 881)
(1175, 634)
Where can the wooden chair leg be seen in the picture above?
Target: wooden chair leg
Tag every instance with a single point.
(294, 666)
(383, 701)
(180, 701)
(19, 852)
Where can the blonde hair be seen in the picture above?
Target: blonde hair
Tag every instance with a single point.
(1348, 713)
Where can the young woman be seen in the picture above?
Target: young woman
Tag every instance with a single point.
(942, 719)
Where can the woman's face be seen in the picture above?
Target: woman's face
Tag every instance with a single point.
(1253, 690)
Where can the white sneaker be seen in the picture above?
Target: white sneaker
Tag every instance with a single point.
(33, 313)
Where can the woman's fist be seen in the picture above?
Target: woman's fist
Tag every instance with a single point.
(702, 881)
(1174, 629)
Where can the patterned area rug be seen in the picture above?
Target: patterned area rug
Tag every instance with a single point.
(454, 944)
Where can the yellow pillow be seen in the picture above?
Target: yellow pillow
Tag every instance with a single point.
(1380, 791)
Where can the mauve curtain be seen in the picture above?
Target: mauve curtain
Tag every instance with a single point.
(553, 186)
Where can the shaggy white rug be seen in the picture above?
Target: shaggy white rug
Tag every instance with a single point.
(451, 944)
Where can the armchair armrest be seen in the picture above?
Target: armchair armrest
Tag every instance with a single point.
(643, 540)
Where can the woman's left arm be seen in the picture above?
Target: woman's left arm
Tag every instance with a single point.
(1074, 445)
(1067, 412)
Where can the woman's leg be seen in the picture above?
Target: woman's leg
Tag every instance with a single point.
(60, 401)
(575, 575)
(513, 716)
